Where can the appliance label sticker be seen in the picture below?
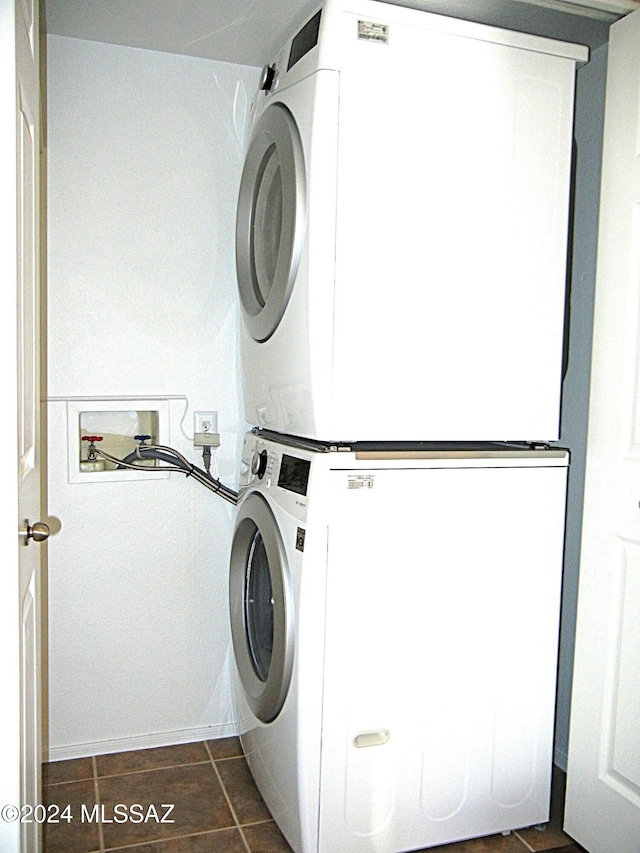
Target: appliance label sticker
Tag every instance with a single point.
(361, 481)
(300, 534)
(372, 31)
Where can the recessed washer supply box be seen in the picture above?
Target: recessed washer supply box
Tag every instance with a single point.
(117, 422)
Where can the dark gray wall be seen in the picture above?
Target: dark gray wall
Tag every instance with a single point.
(573, 432)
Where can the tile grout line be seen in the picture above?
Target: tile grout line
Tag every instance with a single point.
(70, 781)
(228, 798)
(94, 762)
(127, 772)
(156, 842)
(153, 769)
(522, 840)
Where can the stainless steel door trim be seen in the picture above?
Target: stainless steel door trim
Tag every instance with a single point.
(264, 697)
(264, 302)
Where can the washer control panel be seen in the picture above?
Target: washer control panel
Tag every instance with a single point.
(281, 473)
(259, 461)
(269, 464)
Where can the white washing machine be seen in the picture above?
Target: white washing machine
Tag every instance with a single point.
(395, 624)
(402, 227)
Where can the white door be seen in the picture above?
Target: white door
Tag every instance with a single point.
(20, 723)
(603, 779)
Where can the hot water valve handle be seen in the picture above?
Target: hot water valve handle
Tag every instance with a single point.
(91, 453)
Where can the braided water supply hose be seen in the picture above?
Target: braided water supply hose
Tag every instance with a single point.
(175, 461)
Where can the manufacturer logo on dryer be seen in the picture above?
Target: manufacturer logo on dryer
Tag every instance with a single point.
(373, 31)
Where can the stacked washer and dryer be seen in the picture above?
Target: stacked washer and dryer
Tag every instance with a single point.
(397, 555)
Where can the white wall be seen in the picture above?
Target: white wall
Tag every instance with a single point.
(144, 157)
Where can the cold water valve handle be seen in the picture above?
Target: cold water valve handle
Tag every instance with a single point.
(142, 438)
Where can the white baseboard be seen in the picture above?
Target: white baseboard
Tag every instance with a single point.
(126, 744)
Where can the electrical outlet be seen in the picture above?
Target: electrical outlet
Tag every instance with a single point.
(205, 429)
(206, 422)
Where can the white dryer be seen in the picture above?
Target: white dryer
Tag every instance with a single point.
(401, 229)
(395, 625)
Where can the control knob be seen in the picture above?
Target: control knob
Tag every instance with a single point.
(266, 77)
(259, 463)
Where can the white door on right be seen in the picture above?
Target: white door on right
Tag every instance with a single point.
(603, 778)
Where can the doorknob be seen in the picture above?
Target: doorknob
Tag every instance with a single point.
(39, 532)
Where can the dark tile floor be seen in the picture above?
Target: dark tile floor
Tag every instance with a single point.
(217, 808)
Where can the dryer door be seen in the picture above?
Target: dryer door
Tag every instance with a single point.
(260, 601)
(270, 220)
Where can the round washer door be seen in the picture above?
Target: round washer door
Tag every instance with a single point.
(261, 606)
(270, 220)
